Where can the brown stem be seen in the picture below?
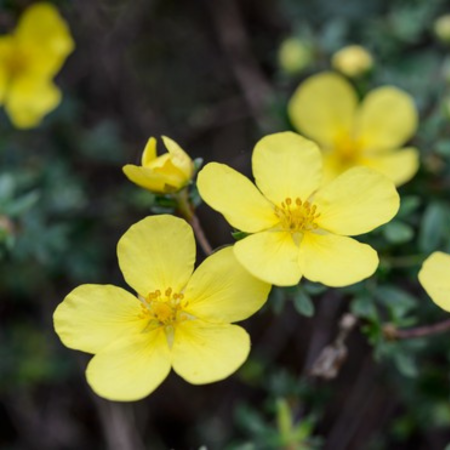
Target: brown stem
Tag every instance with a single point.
(393, 333)
(186, 210)
(200, 235)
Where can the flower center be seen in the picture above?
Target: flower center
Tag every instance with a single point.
(297, 216)
(347, 150)
(15, 62)
(164, 309)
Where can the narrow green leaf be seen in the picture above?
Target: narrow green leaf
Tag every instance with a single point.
(398, 232)
(303, 303)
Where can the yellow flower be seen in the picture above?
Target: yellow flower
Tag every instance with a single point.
(325, 108)
(435, 278)
(29, 59)
(179, 319)
(297, 228)
(162, 174)
(353, 61)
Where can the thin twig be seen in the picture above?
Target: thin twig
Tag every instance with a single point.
(332, 356)
(118, 425)
(200, 235)
(235, 42)
(392, 333)
(186, 210)
(327, 310)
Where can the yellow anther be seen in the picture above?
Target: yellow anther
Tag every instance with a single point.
(164, 310)
(297, 218)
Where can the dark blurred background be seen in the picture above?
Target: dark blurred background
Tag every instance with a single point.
(207, 74)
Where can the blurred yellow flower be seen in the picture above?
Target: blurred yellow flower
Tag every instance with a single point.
(441, 28)
(162, 174)
(297, 227)
(435, 278)
(29, 59)
(325, 108)
(179, 319)
(353, 61)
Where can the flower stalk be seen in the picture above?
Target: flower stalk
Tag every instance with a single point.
(392, 333)
(187, 211)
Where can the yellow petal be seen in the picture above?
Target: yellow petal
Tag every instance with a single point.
(151, 180)
(270, 256)
(222, 291)
(435, 278)
(399, 166)
(131, 368)
(387, 118)
(236, 197)
(92, 316)
(334, 165)
(204, 353)
(356, 202)
(157, 253)
(164, 165)
(286, 165)
(167, 173)
(323, 107)
(7, 51)
(179, 158)
(149, 153)
(44, 38)
(29, 99)
(336, 260)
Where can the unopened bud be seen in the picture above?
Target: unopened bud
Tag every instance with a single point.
(441, 28)
(294, 55)
(353, 61)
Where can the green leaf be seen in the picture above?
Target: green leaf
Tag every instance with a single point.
(408, 205)
(7, 186)
(238, 235)
(398, 302)
(198, 163)
(277, 300)
(398, 232)
(22, 204)
(284, 418)
(303, 303)
(443, 148)
(432, 228)
(313, 288)
(364, 307)
(406, 364)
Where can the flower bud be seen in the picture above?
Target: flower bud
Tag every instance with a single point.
(353, 61)
(441, 28)
(294, 55)
(163, 174)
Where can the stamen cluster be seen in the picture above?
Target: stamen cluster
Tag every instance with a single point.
(297, 216)
(164, 309)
